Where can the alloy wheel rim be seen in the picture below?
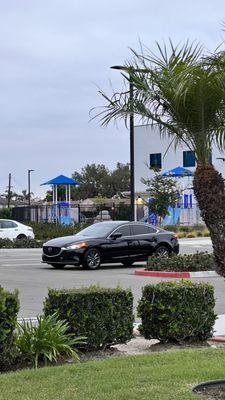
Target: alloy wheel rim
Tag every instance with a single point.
(162, 252)
(93, 259)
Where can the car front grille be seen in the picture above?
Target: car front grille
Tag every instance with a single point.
(51, 251)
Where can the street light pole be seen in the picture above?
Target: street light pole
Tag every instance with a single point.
(132, 189)
(29, 171)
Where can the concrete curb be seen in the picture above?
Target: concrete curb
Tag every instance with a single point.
(220, 339)
(167, 274)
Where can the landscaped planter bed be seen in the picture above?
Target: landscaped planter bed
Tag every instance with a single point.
(211, 390)
(180, 266)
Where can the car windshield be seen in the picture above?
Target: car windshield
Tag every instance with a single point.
(100, 229)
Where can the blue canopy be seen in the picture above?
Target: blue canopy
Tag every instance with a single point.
(178, 172)
(61, 180)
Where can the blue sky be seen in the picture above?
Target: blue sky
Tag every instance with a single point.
(54, 54)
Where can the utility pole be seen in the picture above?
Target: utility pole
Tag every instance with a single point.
(9, 190)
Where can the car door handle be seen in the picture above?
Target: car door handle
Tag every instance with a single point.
(15, 229)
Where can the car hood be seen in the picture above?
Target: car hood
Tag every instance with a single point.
(66, 240)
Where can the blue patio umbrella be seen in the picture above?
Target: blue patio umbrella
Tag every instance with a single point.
(178, 172)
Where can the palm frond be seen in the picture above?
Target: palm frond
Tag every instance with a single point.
(179, 89)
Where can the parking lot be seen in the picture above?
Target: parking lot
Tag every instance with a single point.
(22, 269)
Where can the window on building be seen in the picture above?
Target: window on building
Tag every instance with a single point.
(188, 159)
(156, 161)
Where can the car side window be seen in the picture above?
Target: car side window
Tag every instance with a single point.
(125, 230)
(142, 229)
(8, 224)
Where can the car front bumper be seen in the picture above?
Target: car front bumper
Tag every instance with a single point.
(69, 257)
(176, 249)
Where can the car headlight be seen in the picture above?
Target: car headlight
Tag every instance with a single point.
(75, 246)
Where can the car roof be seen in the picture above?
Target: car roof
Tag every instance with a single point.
(118, 223)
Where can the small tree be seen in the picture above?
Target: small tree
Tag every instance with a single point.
(164, 193)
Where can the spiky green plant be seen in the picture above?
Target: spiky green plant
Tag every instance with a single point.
(47, 340)
(184, 93)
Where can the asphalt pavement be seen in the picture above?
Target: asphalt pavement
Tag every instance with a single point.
(22, 269)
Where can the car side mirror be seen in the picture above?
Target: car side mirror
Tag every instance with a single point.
(116, 235)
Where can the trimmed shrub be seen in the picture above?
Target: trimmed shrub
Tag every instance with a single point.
(104, 316)
(180, 263)
(9, 308)
(45, 231)
(177, 311)
(20, 243)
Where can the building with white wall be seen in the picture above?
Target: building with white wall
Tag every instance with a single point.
(152, 150)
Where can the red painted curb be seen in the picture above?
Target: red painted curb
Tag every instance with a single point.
(162, 274)
(218, 338)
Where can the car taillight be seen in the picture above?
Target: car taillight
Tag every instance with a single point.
(30, 229)
(175, 237)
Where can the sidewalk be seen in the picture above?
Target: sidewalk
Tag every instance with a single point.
(219, 329)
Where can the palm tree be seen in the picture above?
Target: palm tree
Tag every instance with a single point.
(184, 92)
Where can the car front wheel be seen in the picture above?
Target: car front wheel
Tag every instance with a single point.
(162, 251)
(92, 259)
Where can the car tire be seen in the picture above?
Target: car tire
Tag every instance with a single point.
(92, 259)
(21, 236)
(58, 266)
(162, 251)
(127, 263)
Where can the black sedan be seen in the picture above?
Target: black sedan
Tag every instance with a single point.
(112, 241)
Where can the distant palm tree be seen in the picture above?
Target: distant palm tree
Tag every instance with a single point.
(184, 92)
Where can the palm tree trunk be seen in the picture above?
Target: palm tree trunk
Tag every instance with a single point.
(209, 190)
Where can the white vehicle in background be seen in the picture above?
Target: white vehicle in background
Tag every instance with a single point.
(10, 229)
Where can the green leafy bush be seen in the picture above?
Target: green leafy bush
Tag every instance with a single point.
(188, 231)
(180, 263)
(104, 316)
(6, 213)
(177, 311)
(46, 341)
(9, 308)
(45, 231)
(20, 243)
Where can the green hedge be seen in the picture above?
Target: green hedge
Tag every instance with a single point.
(20, 243)
(9, 308)
(177, 311)
(178, 263)
(45, 231)
(104, 316)
(185, 228)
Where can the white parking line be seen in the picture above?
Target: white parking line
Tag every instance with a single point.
(19, 265)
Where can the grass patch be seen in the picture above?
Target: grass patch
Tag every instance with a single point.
(156, 376)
